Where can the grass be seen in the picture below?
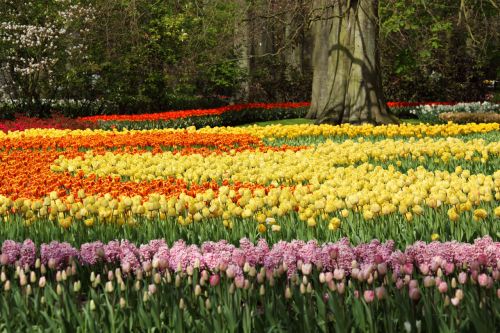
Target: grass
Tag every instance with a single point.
(294, 121)
(299, 121)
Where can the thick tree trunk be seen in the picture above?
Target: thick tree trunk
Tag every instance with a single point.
(347, 85)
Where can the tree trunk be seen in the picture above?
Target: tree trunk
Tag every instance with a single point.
(347, 85)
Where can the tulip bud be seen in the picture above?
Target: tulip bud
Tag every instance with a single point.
(3, 277)
(59, 289)
(459, 293)
(453, 283)
(302, 288)
(341, 288)
(483, 280)
(23, 280)
(37, 263)
(123, 303)
(177, 280)
(111, 276)
(231, 288)
(322, 277)
(109, 287)
(208, 304)
(6, 286)
(429, 281)
(414, 294)
(137, 285)
(92, 277)
(369, 296)
(92, 305)
(197, 290)
(146, 266)
(32, 277)
(443, 287)
(52, 263)
(306, 268)
(152, 289)
(157, 278)
(214, 280)
(446, 300)
(42, 282)
(288, 293)
(331, 285)
(239, 282)
(77, 286)
(380, 293)
(145, 297)
(190, 270)
(29, 291)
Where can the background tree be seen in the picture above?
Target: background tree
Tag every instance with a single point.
(39, 41)
(347, 85)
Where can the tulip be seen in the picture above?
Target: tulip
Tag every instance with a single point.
(414, 294)
(483, 280)
(109, 287)
(152, 289)
(380, 292)
(123, 303)
(369, 296)
(214, 280)
(338, 274)
(42, 282)
(443, 287)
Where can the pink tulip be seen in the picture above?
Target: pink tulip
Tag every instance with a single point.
(449, 268)
(338, 274)
(369, 296)
(380, 292)
(414, 294)
(462, 277)
(214, 280)
(443, 287)
(483, 280)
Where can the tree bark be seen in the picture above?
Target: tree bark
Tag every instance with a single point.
(347, 84)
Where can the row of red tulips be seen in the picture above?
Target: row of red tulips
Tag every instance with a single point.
(58, 121)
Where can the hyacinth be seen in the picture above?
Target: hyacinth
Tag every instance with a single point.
(10, 251)
(59, 253)
(28, 253)
(213, 256)
(91, 253)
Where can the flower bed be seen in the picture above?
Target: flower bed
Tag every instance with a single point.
(320, 285)
(249, 228)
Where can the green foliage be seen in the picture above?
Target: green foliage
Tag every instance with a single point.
(438, 50)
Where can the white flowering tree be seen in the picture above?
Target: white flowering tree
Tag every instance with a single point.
(39, 40)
